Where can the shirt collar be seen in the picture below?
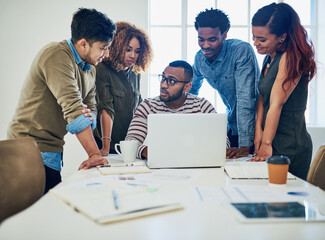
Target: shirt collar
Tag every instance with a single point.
(84, 66)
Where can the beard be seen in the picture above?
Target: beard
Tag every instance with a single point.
(88, 59)
(172, 97)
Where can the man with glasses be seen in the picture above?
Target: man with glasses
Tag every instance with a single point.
(230, 67)
(175, 82)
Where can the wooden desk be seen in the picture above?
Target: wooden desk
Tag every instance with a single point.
(51, 218)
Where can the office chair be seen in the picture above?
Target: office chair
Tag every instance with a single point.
(316, 174)
(22, 175)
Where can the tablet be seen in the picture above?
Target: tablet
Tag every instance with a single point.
(277, 212)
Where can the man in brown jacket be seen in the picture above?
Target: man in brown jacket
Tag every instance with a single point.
(58, 94)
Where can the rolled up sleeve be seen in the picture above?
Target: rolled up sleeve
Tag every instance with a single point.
(81, 123)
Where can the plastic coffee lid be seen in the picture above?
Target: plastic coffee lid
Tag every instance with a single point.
(278, 160)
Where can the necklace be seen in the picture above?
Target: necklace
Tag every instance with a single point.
(269, 64)
(267, 67)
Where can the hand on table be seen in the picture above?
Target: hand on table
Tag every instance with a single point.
(93, 161)
(262, 153)
(237, 152)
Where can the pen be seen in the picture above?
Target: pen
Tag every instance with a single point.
(115, 199)
(123, 165)
(298, 193)
(136, 184)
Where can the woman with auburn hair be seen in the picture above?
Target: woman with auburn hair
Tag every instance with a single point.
(118, 84)
(287, 69)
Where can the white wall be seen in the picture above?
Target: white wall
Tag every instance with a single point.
(27, 25)
(318, 137)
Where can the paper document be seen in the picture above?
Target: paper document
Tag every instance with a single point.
(238, 160)
(123, 170)
(250, 172)
(117, 160)
(248, 193)
(122, 164)
(107, 203)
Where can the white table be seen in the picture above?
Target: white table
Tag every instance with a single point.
(51, 218)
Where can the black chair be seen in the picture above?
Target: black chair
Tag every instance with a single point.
(22, 175)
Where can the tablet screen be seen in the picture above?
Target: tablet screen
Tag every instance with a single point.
(271, 210)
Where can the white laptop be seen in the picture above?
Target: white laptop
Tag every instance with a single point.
(186, 140)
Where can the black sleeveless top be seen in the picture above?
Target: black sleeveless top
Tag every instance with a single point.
(291, 138)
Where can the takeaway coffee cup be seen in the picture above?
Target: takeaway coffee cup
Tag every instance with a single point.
(278, 167)
(128, 150)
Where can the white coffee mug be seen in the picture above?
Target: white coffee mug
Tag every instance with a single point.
(128, 150)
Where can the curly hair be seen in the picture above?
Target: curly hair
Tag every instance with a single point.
(125, 32)
(212, 18)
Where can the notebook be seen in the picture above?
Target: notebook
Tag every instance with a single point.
(251, 170)
(111, 170)
(97, 201)
(117, 166)
(186, 140)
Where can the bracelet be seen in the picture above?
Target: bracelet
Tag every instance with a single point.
(106, 138)
(93, 154)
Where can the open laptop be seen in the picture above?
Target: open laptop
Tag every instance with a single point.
(186, 140)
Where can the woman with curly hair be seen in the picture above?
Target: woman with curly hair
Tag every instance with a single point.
(118, 84)
(288, 67)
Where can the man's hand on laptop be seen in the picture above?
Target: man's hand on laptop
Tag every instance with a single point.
(237, 152)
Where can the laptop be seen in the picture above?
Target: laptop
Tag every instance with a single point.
(186, 140)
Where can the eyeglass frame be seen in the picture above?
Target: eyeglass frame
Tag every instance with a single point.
(162, 79)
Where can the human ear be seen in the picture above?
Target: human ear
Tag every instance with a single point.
(83, 44)
(187, 87)
(283, 37)
(224, 35)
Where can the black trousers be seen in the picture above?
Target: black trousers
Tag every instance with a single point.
(53, 178)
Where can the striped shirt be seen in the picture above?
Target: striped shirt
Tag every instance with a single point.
(138, 127)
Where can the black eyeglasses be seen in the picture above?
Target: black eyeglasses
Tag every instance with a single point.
(170, 81)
